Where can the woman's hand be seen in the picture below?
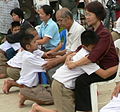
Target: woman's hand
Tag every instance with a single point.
(116, 90)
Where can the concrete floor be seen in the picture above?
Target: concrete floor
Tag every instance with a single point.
(9, 102)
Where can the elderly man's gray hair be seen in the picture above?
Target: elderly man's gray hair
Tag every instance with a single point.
(65, 12)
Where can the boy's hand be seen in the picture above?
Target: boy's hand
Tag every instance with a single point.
(50, 54)
(69, 62)
(69, 58)
(50, 63)
(71, 65)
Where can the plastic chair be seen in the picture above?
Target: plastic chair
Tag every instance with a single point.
(94, 90)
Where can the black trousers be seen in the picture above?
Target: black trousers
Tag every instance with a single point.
(82, 90)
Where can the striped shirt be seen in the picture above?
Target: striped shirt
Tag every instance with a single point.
(5, 18)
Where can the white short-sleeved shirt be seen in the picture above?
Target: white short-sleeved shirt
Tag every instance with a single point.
(73, 39)
(68, 77)
(16, 46)
(117, 45)
(31, 65)
(117, 26)
(16, 61)
(113, 105)
(6, 45)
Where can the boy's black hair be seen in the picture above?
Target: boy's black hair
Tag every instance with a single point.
(89, 37)
(14, 24)
(18, 12)
(26, 40)
(13, 38)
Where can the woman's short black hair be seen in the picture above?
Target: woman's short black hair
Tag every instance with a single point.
(47, 9)
(97, 8)
(89, 37)
(18, 12)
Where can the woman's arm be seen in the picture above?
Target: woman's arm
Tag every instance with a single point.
(42, 41)
(108, 72)
(96, 54)
(56, 49)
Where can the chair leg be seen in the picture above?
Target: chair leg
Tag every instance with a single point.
(94, 100)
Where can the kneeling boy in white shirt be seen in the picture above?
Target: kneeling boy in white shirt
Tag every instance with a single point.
(31, 64)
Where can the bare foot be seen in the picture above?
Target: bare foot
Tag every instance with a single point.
(34, 106)
(38, 108)
(21, 105)
(22, 100)
(7, 85)
(3, 76)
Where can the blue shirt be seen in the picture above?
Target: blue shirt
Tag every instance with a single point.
(63, 38)
(50, 29)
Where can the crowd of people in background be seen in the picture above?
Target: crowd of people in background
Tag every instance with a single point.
(57, 60)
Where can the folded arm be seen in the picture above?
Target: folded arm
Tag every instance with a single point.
(108, 72)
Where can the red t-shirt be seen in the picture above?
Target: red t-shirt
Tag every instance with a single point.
(98, 54)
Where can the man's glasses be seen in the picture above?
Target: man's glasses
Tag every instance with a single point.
(60, 20)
